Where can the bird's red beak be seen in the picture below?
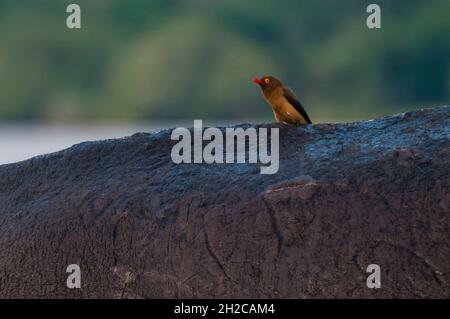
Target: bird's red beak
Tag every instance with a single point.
(257, 81)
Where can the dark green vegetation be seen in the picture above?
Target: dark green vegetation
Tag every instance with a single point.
(138, 60)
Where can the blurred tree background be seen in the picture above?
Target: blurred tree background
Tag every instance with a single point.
(138, 60)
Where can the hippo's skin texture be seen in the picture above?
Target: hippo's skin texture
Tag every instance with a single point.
(346, 196)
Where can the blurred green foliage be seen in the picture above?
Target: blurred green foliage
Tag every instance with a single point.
(165, 60)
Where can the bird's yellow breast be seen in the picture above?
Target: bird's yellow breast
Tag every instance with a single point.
(284, 111)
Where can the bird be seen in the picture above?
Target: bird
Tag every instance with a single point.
(283, 101)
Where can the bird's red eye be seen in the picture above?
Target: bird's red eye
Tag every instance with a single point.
(267, 80)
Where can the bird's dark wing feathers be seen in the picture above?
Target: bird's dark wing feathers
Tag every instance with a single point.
(290, 96)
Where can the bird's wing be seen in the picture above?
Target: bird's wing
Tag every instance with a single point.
(290, 96)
